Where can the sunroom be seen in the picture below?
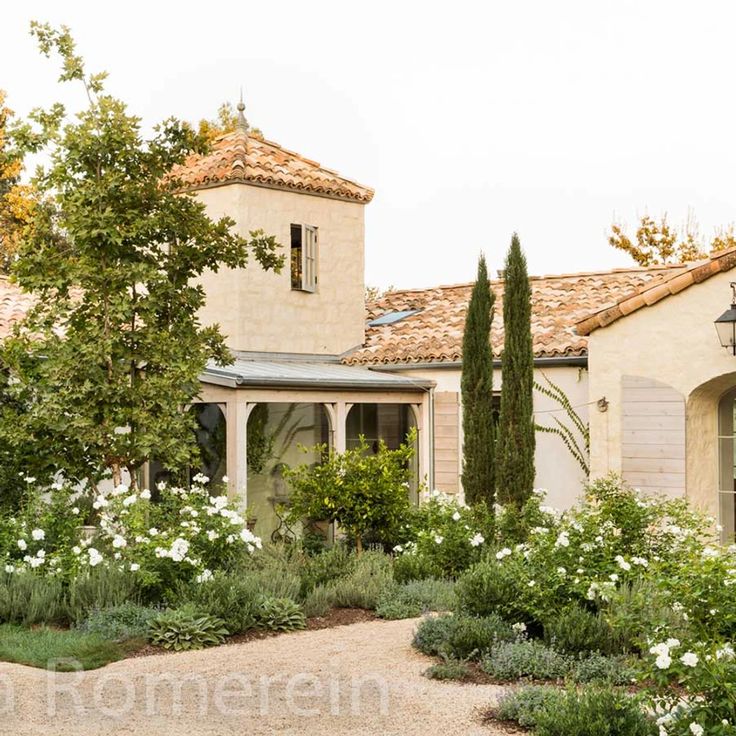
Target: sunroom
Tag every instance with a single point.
(263, 414)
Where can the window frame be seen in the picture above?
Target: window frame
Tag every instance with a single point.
(309, 258)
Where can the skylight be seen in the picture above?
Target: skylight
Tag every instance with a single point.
(392, 317)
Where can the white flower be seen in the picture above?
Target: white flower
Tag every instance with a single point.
(456, 516)
(30, 479)
(696, 729)
(77, 550)
(225, 479)
(152, 532)
(9, 568)
(561, 571)
(438, 539)
(398, 548)
(622, 563)
(94, 557)
(663, 661)
(212, 535)
(725, 652)
(562, 540)
(119, 542)
(505, 552)
(204, 576)
(613, 577)
(134, 567)
(22, 545)
(145, 494)
(179, 549)
(531, 583)
(100, 502)
(75, 511)
(671, 643)
(120, 490)
(640, 561)
(38, 534)
(519, 628)
(130, 500)
(689, 659)
(477, 540)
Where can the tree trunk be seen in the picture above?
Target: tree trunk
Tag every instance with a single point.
(358, 545)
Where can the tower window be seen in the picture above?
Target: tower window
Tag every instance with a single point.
(304, 258)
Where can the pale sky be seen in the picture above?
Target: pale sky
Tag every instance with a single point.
(471, 120)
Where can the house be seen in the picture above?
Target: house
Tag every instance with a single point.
(634, 351)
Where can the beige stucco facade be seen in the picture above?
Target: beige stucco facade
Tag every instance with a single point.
(663, 373)
(556, 469)
(258, 310)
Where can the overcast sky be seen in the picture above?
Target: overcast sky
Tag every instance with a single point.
(471, 120)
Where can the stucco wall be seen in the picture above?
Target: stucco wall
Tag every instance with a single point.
(556, 470)
(673, 342)
(259, 311)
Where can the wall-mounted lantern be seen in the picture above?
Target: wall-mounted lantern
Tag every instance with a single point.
(726, 324)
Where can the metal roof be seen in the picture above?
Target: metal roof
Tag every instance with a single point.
(291, 373)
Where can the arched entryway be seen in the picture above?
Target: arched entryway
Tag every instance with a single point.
(711, 450)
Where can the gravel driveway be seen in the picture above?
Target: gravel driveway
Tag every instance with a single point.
(358, 679)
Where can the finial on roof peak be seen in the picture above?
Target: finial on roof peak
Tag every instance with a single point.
(242, 122)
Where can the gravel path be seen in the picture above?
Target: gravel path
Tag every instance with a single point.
(362, 679)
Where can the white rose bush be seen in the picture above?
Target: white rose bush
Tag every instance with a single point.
(174, 534)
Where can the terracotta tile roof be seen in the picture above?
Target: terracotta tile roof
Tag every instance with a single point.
(435, 333)
(238, 157)
(648, 294)
(14, 304)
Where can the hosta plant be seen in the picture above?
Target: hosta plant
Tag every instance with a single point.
(186, 628)
(280, 614)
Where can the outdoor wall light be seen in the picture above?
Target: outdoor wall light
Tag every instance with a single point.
(726, 324)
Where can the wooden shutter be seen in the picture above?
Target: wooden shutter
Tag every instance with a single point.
(447, 441)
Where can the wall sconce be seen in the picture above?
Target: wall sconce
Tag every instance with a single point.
(726, 324)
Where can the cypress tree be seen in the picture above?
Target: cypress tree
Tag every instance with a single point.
(477, 393)
(516, 441)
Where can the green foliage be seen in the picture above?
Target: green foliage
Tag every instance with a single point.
(280, 614)
(187, 628)
(576, 434)
(515, 437)
(432, 633)
(594, 712)
(576, 629)
(364, 493)
(234, 598)
(476, 387)
(524, 706)
(416, 597)
(511, 660)
(599, 668)
(62, 651)
(120, 623)
(366, 583)
(409, 566)
(319, 601)
(31, 599)
(322, 568)
(449, 669)
(447, 537)
(104, 586)
(114, 253)
(494, 587)
(460, 637)
(471, 638)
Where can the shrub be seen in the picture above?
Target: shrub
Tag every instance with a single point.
(416, 597)
(447, 537)
(525, 705)
(363, 587)
(104, 586)
(450, 669)
(320, 569)
(232, 598)
(493, 587)
(598, 668)
(470, 638)
(120, 623)
(594, 712)
(413, 567)
(187, 628)
(432, 633)
(280, 614)
(533, 659)
(29, 599)
(460, 637)
(575, 629)
(319, 601)
(364, 492)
